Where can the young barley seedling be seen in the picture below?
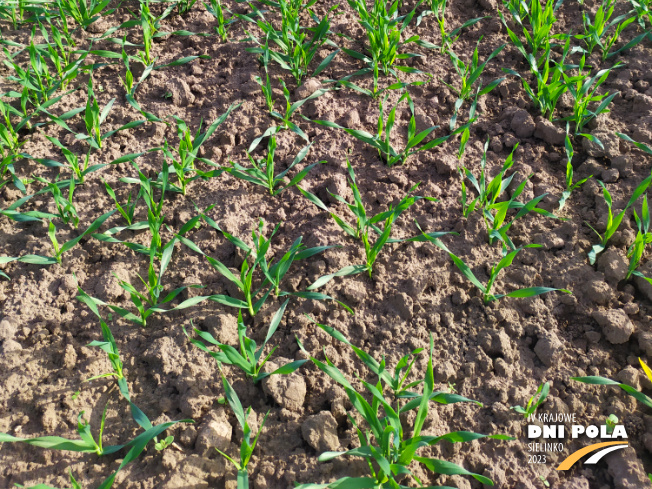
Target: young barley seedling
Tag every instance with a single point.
(58, 249)
(266, 86)
(216, 9)
(584, 90)
(536, 24)
(374, 232)
(548, 74)
(250, 357)
(255, 257)
(248, 445)
(493, 211)
(86, 443)
(638, 395)
(66, 209)
(643, 238)
(469, 74)
(596, 29)
(570, 186)
(438, 9)
(93, 119)
(85, 12)
(534, 402)
(285, 119)
(387, 442)
(78, 168)
(486, 289)
(384, 28)
(188, 149)
(262, 173)
(613, 222)
(642, 146)
(296, 45)
(127, 211)
(382, 139)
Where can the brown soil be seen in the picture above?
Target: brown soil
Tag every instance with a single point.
(497, 354)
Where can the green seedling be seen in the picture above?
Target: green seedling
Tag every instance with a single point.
(163, 444)
(255, 257)
(382, 139)
(93, 120)
(642, 146)
(14, 214)
(250, 357)
(570, 186)
(127, 210)
(78, 168)
(639, 396)
(596, 29)
(643, 238)
(266, 86)
(613, 222)
(493, 211)
(184, 6)
(155, 215)
(261, 171)
(285, 119)
(469, 74)
(396, 381)
(128, 82)
(151, 25)
(296, 45)
(610, 423)
(248, 445)
(486, 289)
(584, 90)
(110, 347)
(65, 207)
(438, 9)
(188, 148)
(534, 402)
(388, 444)
(85, 12)
(643, 11)
(58, 249)
(160, 255)
(18, 12)
(384, 28)
(8, 171)
(536, 22)
(548, 74)
(216, 9)
(87, 443)
(38, 83)
(365, 227)
(275, 271)
(73, 481)
(8, 134)
(59, 51)
(150, 302)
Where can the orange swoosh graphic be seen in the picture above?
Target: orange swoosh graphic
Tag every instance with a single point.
(575, 456)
